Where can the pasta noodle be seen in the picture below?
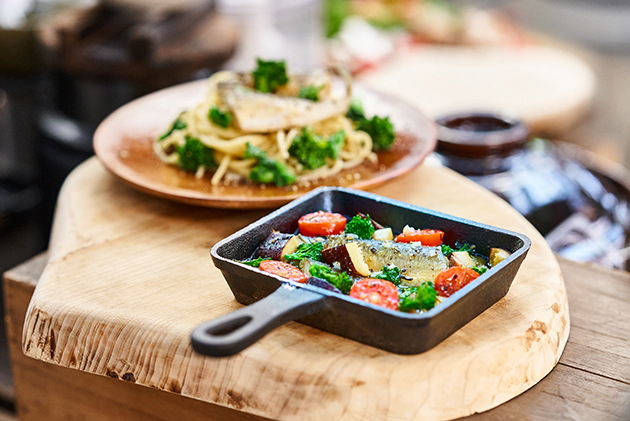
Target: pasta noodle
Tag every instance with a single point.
(229, 144)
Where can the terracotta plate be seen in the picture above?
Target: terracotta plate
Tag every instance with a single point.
(123, 143)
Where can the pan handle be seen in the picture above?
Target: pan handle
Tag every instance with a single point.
(235, 331)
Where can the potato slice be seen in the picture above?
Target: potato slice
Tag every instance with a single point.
(383, 234)
(462, 258)
(498, 255)
(277, 245)
(350, 258)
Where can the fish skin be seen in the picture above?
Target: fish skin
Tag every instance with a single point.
(257, 112)
(422, 263)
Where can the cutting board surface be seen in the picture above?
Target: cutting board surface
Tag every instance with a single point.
(130, 276)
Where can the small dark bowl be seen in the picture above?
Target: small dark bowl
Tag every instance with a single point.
(282, 300)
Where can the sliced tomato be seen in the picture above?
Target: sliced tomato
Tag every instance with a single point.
(453, 279)
(426, 237)
(322, 223)
(284, 270)
(376, 291)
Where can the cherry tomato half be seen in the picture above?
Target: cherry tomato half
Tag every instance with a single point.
(453, 279)
(426, 237)
(322, 223)
(376, 291)
(283, 269)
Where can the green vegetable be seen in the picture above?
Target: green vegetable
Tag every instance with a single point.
(195, 154)
(177, 125)
(480, 269)
(389, 273)
(310, 92)
(355, 112)
(312, 251)
(270, 75)
(360, 226)
(422, 297)
(311, 150)
(268, 170)
(223, 119)
(255, 262)
(335, 12)
(447, 250)
(340, 280)
(380, 130)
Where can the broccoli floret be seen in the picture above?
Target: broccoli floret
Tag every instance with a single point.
(310, 92)
(268, 170)
(311, 150)
(270, 75)
(340, 280)
(312, 251)
(480, 269)
(422, 297)
(389, 273)
(355, 112)
(177, 125)
(223, 119)
(254, 262)
(381, 130)
(361, 226)
(194, 154)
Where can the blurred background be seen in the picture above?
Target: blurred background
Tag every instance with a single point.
(561, 67)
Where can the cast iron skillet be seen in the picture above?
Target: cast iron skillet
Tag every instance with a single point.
(278, 300)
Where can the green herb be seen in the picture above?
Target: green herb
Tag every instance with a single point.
(480, 269)
(447, 250)
(223, 119)
(380, 130)
(422, 297)
(312, 251)
(355, 112)
(311, 150)
(194, 154)
(270, 75)
(389, 273)
(254, 262)
(340, 280)
(310, 92)
(335, 12)
(177, 125)
(268, 170)
(361, 226)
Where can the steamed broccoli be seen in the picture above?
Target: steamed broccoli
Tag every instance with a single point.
(422, 297)
(380, 130)
(361, 226)
(254, 262)
(389, 273)
(310, 92)
(312, 251)
(355, 112)
(268, 170)
(194, 154)
(311, 150)
(447, 250)
(223, 119)
(177, 125)
(270, 75)
(339, 280)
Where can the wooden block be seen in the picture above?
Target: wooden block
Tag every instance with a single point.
(129, 277)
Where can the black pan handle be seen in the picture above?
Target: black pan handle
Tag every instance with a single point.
(235, 331)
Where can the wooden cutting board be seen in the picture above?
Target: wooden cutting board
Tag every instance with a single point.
(130, 276)
(549, 88)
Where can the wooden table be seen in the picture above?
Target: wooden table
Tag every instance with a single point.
(591, 381)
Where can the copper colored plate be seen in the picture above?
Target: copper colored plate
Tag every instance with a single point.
(123, 143)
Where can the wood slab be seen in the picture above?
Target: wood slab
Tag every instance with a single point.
(549, 88)
(129, 276)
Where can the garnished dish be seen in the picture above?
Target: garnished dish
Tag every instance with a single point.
(411, 271)
(272, 127)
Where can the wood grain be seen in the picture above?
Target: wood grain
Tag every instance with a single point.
(129, 276)
(558, 397)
